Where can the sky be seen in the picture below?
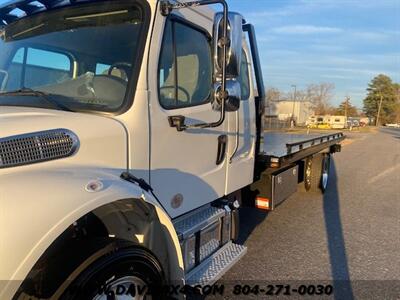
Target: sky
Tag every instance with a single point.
(344, 42)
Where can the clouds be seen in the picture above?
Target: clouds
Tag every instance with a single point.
(306, 29)
(346, 42)
(376, 36)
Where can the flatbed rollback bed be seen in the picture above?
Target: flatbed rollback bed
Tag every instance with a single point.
(286, 160)
(283, 160)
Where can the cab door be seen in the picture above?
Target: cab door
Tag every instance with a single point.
(184, 170)
(242, 128)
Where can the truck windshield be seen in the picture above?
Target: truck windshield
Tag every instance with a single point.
(78, 58)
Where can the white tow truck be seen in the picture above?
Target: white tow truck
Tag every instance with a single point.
(128, 131)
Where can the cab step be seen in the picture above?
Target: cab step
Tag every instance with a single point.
(214, 267)
(197, 220)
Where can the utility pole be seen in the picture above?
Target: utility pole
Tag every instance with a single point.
(379, 109)
(294, 103)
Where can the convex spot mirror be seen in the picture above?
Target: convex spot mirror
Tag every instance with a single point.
(232, 103)
(234, 49)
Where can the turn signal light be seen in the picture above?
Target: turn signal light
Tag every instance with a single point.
(263, 203)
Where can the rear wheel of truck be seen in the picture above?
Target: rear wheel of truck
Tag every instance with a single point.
(115, 270)
(326, 165)
(316, 173)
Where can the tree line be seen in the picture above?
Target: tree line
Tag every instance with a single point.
(319, 95)
(381, 104)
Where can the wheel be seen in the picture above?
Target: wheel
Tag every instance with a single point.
(115, 270)
(126, 67)
(316, 174)
(184, 91)
(307, 173)
(326, 163)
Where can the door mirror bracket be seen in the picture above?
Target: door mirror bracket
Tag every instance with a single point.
(178, 122)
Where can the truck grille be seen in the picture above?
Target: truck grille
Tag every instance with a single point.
(37, 147)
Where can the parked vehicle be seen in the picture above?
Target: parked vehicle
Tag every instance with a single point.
(128, 131)
(312, 120)
(366, 121)
(319, 122)
(338, 122)
(393, 125)
(351, 123)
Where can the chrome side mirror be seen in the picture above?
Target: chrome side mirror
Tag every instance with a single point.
(234, 55)
(227, 60)
(3, 80)
(232, 101)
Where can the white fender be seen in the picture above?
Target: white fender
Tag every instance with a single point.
(37, 206)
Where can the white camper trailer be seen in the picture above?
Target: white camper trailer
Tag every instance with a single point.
(338, 122)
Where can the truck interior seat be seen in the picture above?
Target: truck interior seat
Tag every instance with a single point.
(188, 81)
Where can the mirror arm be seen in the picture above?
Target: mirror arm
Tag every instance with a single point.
(179, 121)
(166, 8)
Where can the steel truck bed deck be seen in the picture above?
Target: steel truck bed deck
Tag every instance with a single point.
(279, 149)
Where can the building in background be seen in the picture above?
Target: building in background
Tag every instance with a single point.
(286, 110)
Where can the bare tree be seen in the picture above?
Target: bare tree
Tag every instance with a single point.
(300, 96)
(273, 94)
(320, 95)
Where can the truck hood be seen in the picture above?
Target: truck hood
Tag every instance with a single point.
(102, 140)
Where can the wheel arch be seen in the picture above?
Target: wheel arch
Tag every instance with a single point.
(135, 221)
(58, 217)
(131, 220)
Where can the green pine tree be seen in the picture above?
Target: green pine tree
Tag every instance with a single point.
(346, 107)
(381, 88)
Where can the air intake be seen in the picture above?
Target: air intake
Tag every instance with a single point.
(37, 147)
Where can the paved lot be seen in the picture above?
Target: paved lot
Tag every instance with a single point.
(352, 232)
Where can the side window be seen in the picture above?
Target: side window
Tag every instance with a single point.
(102, 69)
(34, 71)
(244, 77)
(185, 70)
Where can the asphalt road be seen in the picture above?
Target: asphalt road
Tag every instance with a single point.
(350, 237)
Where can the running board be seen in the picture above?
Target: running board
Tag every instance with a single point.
(197, 220)
(214, 267)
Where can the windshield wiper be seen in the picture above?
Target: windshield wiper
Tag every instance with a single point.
(42, 95)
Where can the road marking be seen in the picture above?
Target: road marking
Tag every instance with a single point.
(384, 173)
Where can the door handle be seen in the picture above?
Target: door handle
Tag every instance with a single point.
(222, 142)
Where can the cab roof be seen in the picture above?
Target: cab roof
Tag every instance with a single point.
(14, 10)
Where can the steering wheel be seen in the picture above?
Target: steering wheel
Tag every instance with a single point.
(126, 67)
(187, 95)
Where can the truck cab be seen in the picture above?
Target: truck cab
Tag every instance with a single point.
(133, 128)
(94, 96)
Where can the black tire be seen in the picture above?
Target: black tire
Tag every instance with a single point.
(326, 166)
(319, 173)
(114, 264)
(308, 168)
